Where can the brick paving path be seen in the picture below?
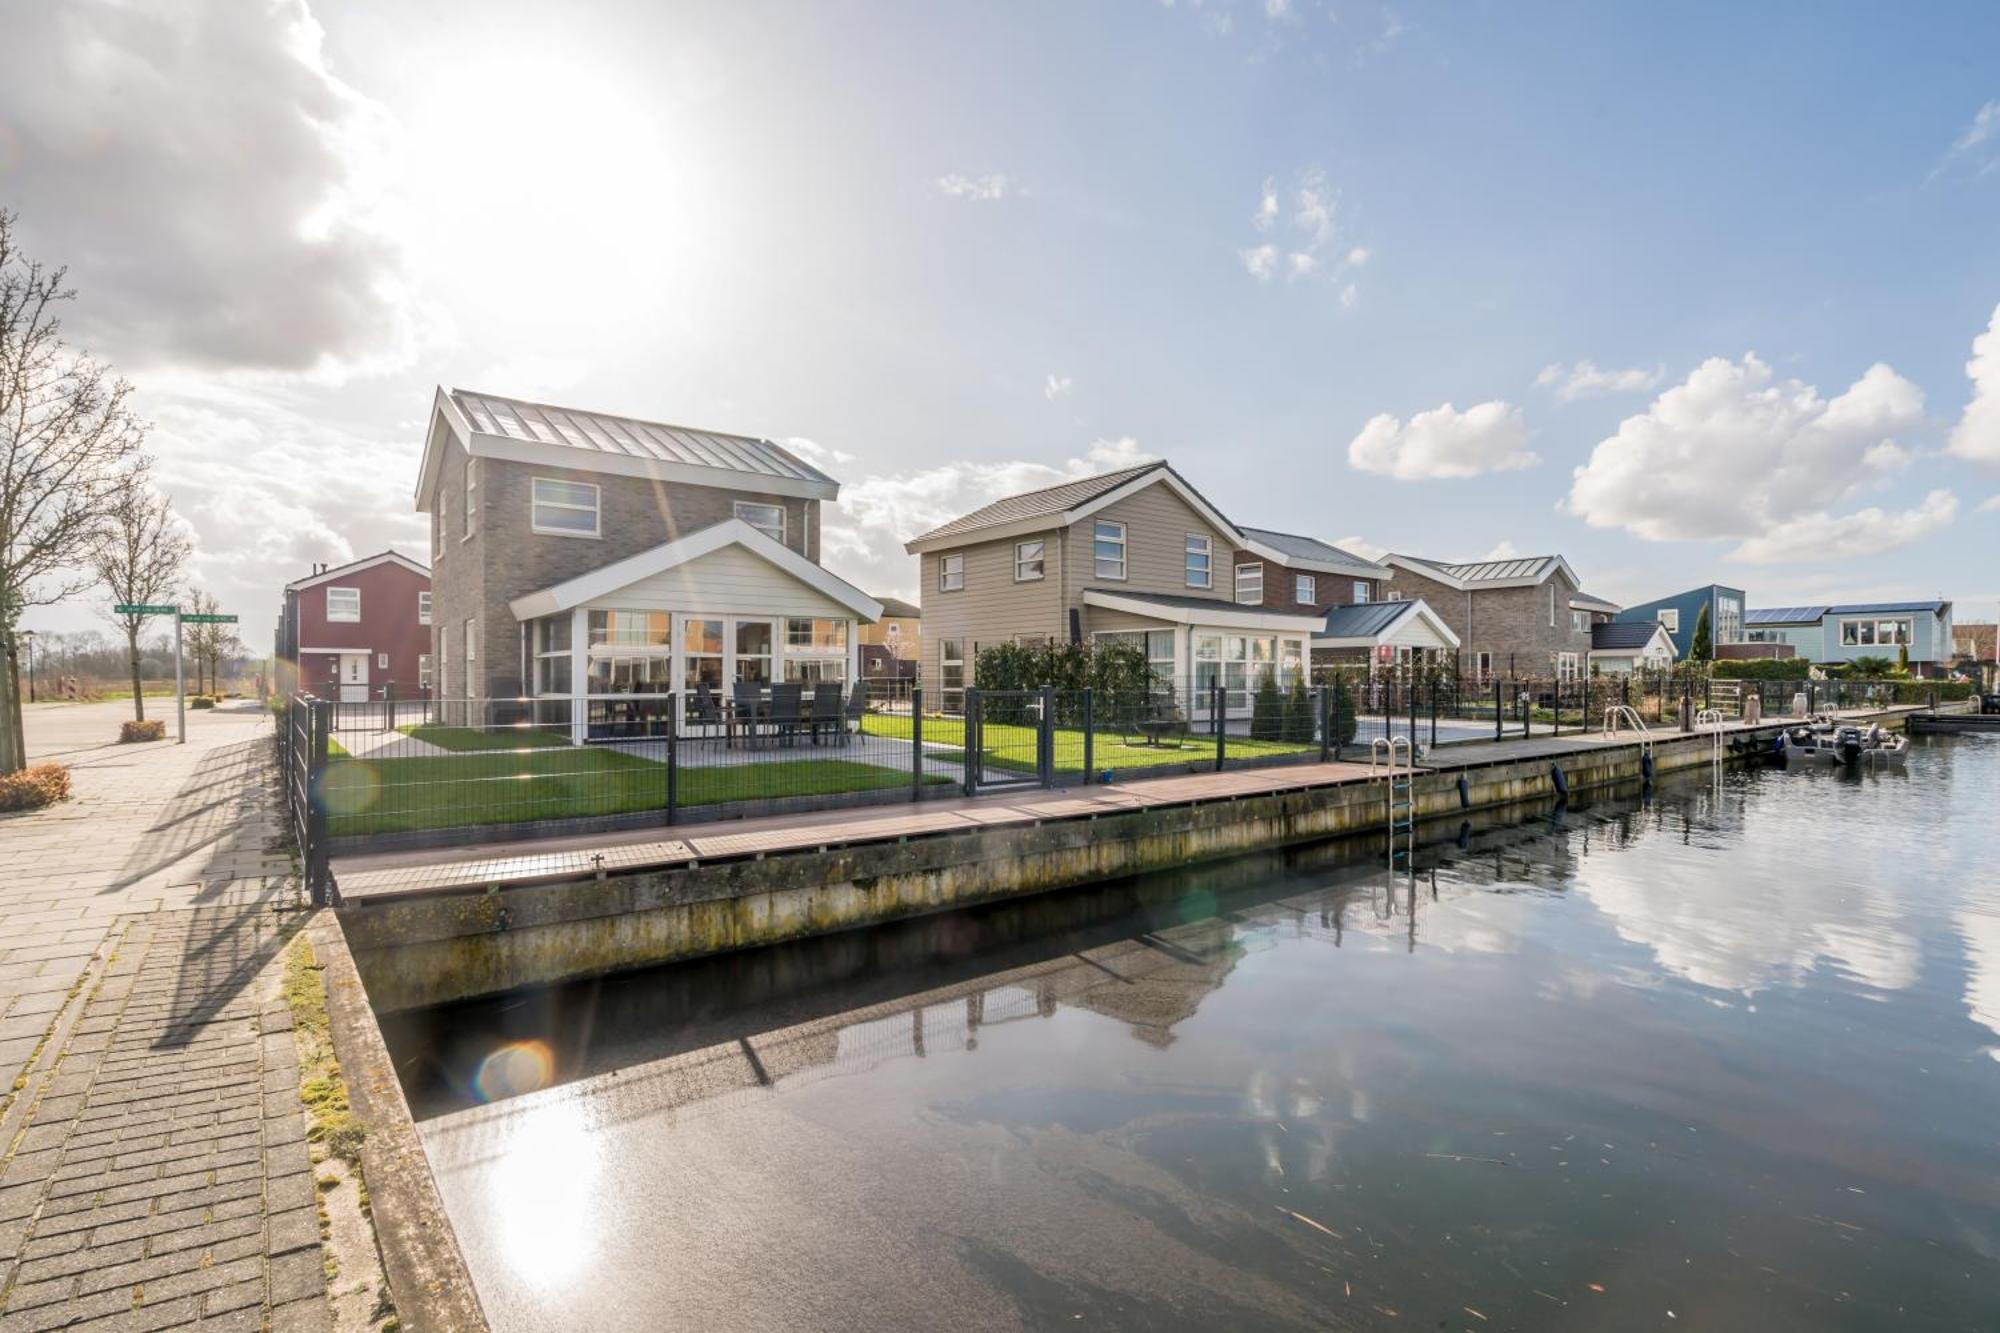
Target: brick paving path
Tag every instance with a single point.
(153, 1166)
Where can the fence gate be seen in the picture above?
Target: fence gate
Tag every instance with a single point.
(1009, 739)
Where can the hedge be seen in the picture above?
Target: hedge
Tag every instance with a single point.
(33, 788)
(152, 729)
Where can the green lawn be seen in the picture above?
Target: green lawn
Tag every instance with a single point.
(502, 787)
(474, 738)
(1013, 747)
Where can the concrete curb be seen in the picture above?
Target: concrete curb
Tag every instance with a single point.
(427, 1273)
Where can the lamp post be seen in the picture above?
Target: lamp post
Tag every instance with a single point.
(29, 635)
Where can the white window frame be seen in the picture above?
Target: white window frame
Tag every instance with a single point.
(1256, 570)
(443, 517)
(1566, 666)
(1113, 533)
(1198, 545)
(471, 657)
(1305, 589)
(1552, 606)
(424, 607)
(1361, 592)
(595, 507)
(1482, 665)
(1670, 616)
(1579, 621)
(951, 572)
(471, 498)
(1039, 560)
(946, 659)
(381, 661)
(424, 672)
(334, 618)
(779, 536)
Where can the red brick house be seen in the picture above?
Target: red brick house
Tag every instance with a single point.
(356, 631)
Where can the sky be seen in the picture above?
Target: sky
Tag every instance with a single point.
(1686, 293)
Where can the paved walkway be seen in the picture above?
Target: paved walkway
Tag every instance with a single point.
(153, 1169)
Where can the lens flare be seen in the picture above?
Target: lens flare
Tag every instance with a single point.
(517, 1067)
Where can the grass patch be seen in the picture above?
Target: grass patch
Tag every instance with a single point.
(502, 787)
(1013, 747)
(321, 1088)
(461, 739)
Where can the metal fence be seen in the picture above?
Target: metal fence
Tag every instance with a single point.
(385, 774)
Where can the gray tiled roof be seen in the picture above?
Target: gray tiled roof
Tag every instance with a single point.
(1049, 501)
(601, 433)
(1623, 634)
(1303, 548)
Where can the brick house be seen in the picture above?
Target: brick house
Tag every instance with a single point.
(358, 631)
(578, 554)
(1516, 617)
(1284, 570)
(894, 644)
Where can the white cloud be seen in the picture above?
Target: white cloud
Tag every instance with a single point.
(864, 531)
(1058, 386)
(1870, 531)
(1505, 550)
(1261, 261)
(1349, 295)
(214, 188)
(1991, 505)
(1977, 435)
(1734, 453)
(983, 189)
(1974, 149)
(1276, 10)
(1444, 442)
(1586, 380)
(1267, 206)
(1363, 547)
(819, 455)
(1305, 221)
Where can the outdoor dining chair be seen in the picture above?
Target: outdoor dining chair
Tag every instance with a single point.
(826, 712)
(750, 711)
(705, 710)
(785, 716)
(857, 708)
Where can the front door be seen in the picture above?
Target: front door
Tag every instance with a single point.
(354, 678)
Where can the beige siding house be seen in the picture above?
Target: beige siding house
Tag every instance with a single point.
(1135, 556)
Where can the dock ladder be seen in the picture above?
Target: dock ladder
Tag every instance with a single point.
(1393, 757)
(1624, 715)
(1711, 721)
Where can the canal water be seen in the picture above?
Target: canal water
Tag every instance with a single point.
(1708, 1058)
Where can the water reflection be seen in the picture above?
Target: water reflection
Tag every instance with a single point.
(1709, 1054)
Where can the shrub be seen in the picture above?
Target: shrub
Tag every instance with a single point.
(1764, 668)
(1267, 709)
(1299, 713)
(152, 729)
(201, 701)
(1345, 724)
(33, 788)
(1117, 672)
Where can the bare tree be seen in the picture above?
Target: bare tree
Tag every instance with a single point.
(68, 440)
(202, 641)
(140, 560)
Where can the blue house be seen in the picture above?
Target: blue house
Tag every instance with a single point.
(1680, 612)
(1860, 629)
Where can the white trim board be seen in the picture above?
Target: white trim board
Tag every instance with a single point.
(605, 581)
(1417, 565)
(1063, 518)
(1225, 615)
(357, 566)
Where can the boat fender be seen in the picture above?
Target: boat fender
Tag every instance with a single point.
(1645, 767)
(1464, 793)
(1464, 834)
(1105, 777)
(1561, 779)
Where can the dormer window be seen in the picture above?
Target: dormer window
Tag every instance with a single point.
(768, 519)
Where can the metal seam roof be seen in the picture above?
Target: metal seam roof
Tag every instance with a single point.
(619, 436)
